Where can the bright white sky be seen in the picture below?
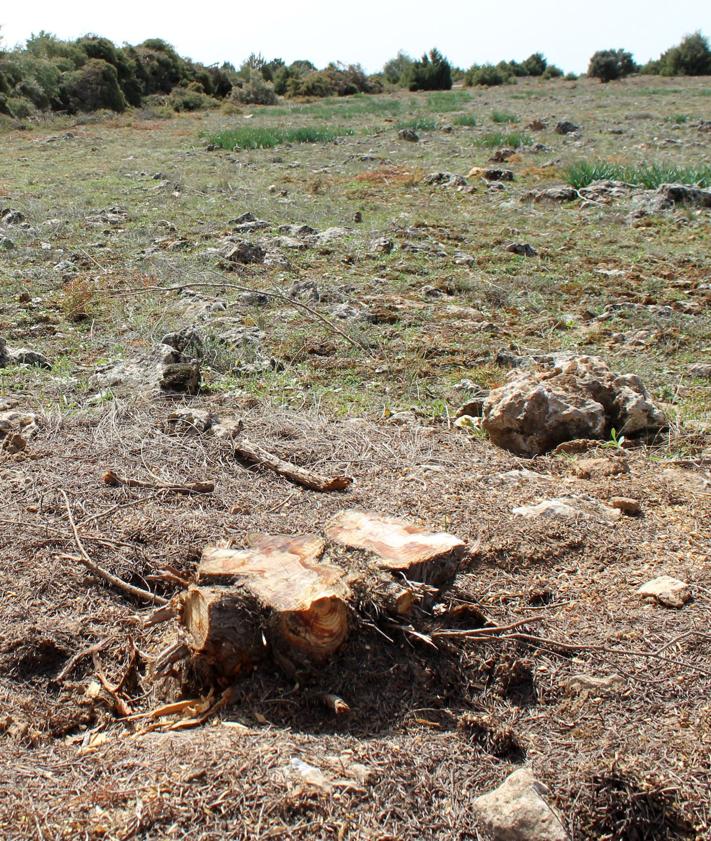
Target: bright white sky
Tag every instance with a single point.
(372, 31)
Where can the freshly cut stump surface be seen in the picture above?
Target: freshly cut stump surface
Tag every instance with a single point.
(279, 590)
(399, 546)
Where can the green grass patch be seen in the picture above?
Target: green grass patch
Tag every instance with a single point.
(465, 120)
(260, 137)
(651, 176)
(442, 102)
(512, 139)
(418, 124)
(503, 117)
(678, 119)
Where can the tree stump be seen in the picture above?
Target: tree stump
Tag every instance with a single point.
(400, 547)
(276, 595)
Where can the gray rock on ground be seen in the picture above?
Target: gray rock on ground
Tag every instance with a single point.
(566, 127)
(517, 811)
(580, 397)
(163, 369)
(408, 134)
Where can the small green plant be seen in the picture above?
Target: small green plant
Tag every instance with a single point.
(465, 120)
(503, 117)
(511, 139)
(678, 119)
(256, 137)
(442, 102)
(418, 124)
(616, 441)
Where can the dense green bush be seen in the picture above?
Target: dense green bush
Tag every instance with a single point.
(190, 99)
(430, 73)
(535, 65)
(488, 75)
(608, 65)
(254, 91)
(92, 87)
(692, 57)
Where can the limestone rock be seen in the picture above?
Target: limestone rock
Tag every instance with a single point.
(627, 505)
(560, 193)
(671, 592)
(26, 356)
(587, 685)
(445, 179)
(517, 811)
(569, 508)
(577, 398)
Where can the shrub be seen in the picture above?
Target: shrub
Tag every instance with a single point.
(189, 99)
(93, 86)
(692, 57)
(255, 91)
(608, 65)
(314, 84)
(488, 75)
(161, 67)
(431, 73)
(552, 72)
(535, 65)
(397, 70)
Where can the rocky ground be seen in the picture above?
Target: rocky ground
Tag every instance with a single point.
(483, 349)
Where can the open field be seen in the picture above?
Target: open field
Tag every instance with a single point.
(347, 347)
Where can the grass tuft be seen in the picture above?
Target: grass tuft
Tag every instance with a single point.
(650, 176)
(418, 124)
(257, 137)
(503, 117)
(512, 139)
(465, 120)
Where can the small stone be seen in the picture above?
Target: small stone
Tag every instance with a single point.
(381, 245)
(587, 685)
(521, 248)
(473, 407)
(702, 370)
(517, 811)
(671, 592)
(491, 174)
(569, 508)
(566, 127)
(627, 505)
(186, 419)
(25, 356)
(599, 468)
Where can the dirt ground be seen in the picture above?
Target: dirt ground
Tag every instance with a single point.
(435, 720)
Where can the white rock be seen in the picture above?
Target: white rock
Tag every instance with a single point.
(590, 685)
(668, 591)
(516, 811)
(567, 508)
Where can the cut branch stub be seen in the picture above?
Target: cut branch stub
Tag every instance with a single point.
(278, 590)
(401, 547)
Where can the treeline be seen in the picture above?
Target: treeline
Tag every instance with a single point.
(91, 73)
(691, 57)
